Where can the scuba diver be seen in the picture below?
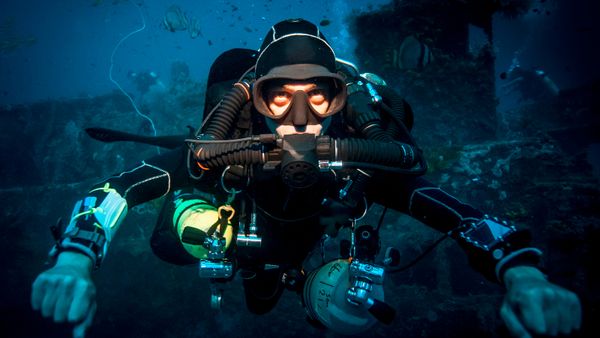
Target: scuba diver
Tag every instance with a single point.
(294, 148)
(528, 84)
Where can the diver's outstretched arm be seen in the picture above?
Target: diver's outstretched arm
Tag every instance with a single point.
(66, 291)
(532, 305)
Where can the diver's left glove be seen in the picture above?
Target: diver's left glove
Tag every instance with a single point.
(534, 305)
(66, 292)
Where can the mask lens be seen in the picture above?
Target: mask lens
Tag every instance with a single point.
(278, 96)
(278, 102)
(319, 99)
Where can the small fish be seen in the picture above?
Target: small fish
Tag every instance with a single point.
(175, 19)
(412, 54)
(194, 28)
(248, 29)
(210, 43)
(325, 22)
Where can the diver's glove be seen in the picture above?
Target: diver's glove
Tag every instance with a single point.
(534, 305)
(66, 292)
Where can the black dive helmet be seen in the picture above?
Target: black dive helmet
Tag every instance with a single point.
(295, 49)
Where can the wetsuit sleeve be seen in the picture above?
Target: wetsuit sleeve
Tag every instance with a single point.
(97, 217)
(492, 245)
(151, 178)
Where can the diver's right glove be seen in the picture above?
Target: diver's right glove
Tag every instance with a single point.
(66, 292)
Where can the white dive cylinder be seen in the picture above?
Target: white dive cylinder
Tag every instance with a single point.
(326, 299)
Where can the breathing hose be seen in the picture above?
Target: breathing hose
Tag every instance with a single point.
(398, 108)
(387, 156)
(227, 112)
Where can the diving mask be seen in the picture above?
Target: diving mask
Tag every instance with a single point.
(298, 105)
(323, 96)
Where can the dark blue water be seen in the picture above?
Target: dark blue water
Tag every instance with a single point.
(532, 157)
(74, 39)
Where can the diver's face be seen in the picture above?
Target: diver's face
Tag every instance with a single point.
(305, 101)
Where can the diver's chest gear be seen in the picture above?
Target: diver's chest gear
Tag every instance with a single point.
(248, 234)
(346, 294)
(365, 278)
(366, 243)
(348, 298)
(353, 191)
(268, 150)
(299, 161)
(203, 230)
(206, 234)
(325, 298)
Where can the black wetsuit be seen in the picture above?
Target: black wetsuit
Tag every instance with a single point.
(288, 220)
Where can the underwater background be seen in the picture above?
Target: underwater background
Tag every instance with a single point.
(506, 101)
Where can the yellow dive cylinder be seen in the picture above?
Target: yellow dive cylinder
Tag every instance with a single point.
(198, 214)
(325, 298)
